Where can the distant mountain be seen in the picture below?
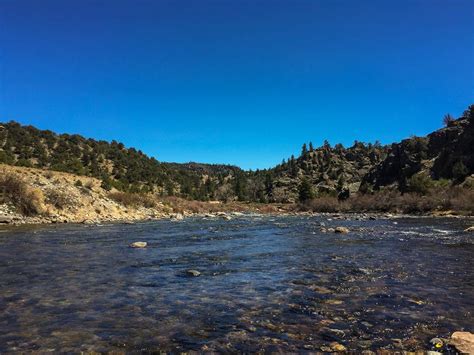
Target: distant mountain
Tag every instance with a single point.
(447, 153)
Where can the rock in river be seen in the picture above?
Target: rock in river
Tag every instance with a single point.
(463, 342)
(335, 346)
(193, 273)
(470, 229)
(138, 245)
(342, 230)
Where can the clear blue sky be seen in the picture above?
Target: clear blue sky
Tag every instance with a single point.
(244, 82)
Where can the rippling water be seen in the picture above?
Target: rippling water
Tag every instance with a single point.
(267, 283)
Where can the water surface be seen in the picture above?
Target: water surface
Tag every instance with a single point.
(267, 283)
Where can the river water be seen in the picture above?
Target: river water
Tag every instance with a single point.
(267, 283)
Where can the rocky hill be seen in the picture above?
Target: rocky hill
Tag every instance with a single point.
(447, 153)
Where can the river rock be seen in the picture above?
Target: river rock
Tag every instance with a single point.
(470, 229)
(138, 245)
(193, 273)
(437, 343)
(463, 342)
(342, 230)
(178, 217)
(6, 219)
(335, 346)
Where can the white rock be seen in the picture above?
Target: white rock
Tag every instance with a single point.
(138, 245)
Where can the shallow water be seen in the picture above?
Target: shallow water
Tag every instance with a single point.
(267, 283)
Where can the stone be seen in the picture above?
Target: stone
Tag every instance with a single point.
(6, 219)
(138, 245)
(463, 342)
(193, 273)
(437, 343)
(342, 230)
(335, 346)
(470, 229)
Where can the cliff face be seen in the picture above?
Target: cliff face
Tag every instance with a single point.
(447, 153)
(454, 146)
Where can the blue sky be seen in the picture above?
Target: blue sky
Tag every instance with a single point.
(244, 82)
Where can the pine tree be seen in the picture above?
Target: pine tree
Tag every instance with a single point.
(304, 150)
(305, 191)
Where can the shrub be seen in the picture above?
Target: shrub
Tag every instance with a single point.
(27, 200)
(132, 199)
(324, 204)
(89, 185)
(58, 199)
(78, 183)
(420, 184)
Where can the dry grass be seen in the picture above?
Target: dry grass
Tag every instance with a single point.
(129, 199)
(58, 199)
(27, 200)
(457, 199)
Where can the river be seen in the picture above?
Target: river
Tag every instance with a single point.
(267, 283)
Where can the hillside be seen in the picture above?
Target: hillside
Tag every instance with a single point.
(445, 156)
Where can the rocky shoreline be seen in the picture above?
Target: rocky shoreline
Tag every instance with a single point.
(15, 219)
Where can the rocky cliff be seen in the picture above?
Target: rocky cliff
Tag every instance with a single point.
(447, 153)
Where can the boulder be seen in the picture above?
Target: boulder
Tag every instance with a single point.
(463, 342)
(342, 230)
(138, 245)
(6, 219)
(470, 229)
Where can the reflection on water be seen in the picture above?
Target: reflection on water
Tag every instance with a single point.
(266, 283)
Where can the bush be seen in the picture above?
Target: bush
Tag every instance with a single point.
(27, 200)
(78, 183)
(420, 184)
(324, 204)
(132, 199)
(58, 199)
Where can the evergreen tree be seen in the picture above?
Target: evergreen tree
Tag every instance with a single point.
(305, 190)
(304, 150)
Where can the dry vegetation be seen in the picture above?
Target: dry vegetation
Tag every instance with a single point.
(130, 199)
(27, 200)
(457, 199)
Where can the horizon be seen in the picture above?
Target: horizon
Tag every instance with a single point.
(236, 83)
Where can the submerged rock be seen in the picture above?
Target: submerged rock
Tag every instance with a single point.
(335, 346)
(463, 342)
(138, 245)
(342, 230)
